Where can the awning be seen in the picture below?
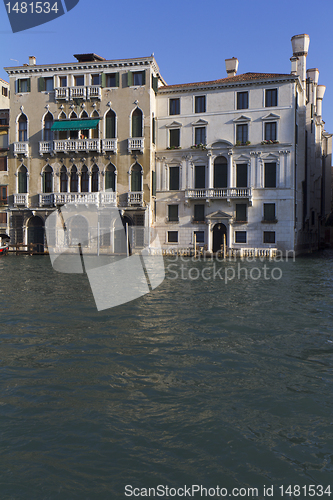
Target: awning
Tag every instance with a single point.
(4, 236)
(75, 124)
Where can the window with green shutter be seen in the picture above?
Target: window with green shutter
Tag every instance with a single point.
(136, 78)
(270, 175)
(269, 212)
(137, 123)
(23, 85)
(241, 212)
(154, 130)
(199, 176)
(173, 213)
(199, 213)
(241, 175)
(136, 178)
(174, 178)
(47, 179)
(110, 80)
(110, 178)
(220, 172)
(41, 84)
(110, 125)
(22, 180)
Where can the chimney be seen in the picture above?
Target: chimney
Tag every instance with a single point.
(32, 61)
(320, 94)
(313, 74)
(300, 45)
(231, 66)
(294, 65)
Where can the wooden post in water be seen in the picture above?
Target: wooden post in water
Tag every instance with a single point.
(224, 246)
(127, 242)
(195, 245)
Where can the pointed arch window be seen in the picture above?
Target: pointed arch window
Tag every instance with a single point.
(84, 180)
(23, 128)
(95, 179)
(220, 172)
(62, 134)
(110, 177)
(47, 179)
(136, 178)
(95, 131)
(48, 122)
(63, 180)
(110, 125)
(137, 123)
(23, 179)
(84, 134)
(74, 185)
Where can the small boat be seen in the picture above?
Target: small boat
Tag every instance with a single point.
(4, 243)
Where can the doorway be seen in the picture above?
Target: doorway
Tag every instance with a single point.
(219, 230)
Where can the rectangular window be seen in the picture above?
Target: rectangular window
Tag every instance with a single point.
(173, 213)
(269, 212)
(153, 181)
(199, 176)
(200, 135)
(270, 131)
(96, 79)
(79, 81)
(3, 164)
(242, 100)
(48, 84)
(138, 78)
(240, 236)
(3, 218)
(174, 178)
(174, 107)
(270, 175)
(270, 98)
(174, 137)
(200, 104)
(5, 91)
(3, 194)
(199, 213)
(241, 175)
(63, 81)
(111, 80)
(241, 133)
(241, 212)
(199, 236)
(23, 85)
(172, 236)
(269, 236)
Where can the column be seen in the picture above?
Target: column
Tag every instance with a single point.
(210, 237)
(231, 176)
(210, 171)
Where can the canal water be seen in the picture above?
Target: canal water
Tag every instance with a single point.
(205, 381)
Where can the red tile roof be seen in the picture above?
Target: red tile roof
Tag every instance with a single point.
(232, 79)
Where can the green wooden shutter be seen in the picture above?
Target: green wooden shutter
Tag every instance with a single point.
(117, 79)
(137, 123)
(41, 84)
(154, 130)
(129, 78)
(29, 85)
(136, 180)
(153, 183)
(144, 77)
(110, 126)
(18, 86)
(110, 180)
(103, 80)
(155, 84)
(22, 182)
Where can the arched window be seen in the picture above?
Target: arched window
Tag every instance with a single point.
(23, 128)
(137, 123)
(78, 231)
(73, 115)
(48, 122)
(110, 177)
(62, 116)
(110, 125)
(84, 180)
(47, 179)
(22, 179)
(62, 134)
(63, 180)
(94, 179)
(73, 134)
(95, 131)
(136, 178)
(84, 134)
(74, 180)
(220, 172)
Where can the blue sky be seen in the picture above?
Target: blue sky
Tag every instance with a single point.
(189, 38)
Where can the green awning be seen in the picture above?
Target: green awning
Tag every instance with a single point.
(75, 124)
